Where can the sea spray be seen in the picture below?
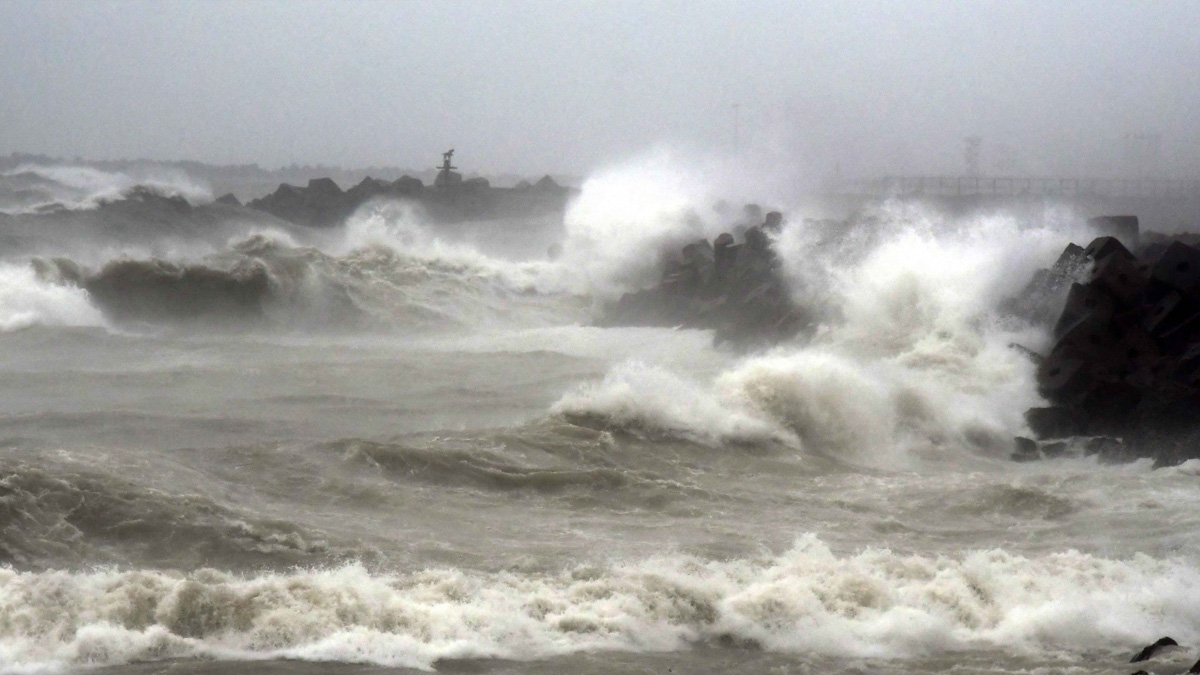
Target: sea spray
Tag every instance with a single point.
(403, 228)
(28, 300)
(914, 359)
(628, 216)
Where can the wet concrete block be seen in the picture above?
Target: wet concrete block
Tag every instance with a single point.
(1150, 651)
(1054, 422)
(1070, 261)
(1062, 378)
(1083, 302)
(1186, 369)
(1109, 405)
(1124, 228)
(1103, 247)
(1119, 277)
(1093, 338)
(1107, 449)
(1140, 349)
(1177, 339)
(1166, 313)
(1178, 267)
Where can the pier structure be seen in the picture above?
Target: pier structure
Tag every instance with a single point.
(1014, 186)
(447, 176)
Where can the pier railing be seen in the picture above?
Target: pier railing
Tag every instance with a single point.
(1017, 186)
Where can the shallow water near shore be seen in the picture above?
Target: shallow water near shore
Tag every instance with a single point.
(421, 456)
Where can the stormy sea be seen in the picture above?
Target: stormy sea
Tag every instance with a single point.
(229, 443)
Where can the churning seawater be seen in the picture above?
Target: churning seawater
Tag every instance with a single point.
(421, 456)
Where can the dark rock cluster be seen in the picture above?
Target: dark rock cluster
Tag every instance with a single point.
(1123, 374)
(1165, 652)
(322, 203)
(733, 287)
(148, 196)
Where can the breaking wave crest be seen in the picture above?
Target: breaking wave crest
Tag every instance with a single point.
(38, 188)
(638, 396)
(270, 281)
(400, 226)
(875, 603)
(914, 360)
(29, 300)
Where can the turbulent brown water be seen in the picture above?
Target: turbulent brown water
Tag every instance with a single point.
(408, 450)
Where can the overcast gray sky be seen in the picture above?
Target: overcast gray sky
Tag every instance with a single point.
(1051, 87)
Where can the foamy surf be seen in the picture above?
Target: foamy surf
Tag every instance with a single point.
(29, 300)
(648, 398)
(914, 359)
(270, 281)
(806, 600)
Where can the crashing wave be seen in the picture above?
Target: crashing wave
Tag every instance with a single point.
(807, 600)
(41, 189)
(640, 397)
(265, 280)
(914, 361)
(28, 298)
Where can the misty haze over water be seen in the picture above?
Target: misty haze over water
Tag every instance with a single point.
(254, 420)
(1050, 88)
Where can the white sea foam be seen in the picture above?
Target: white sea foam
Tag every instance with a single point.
(402, 227)
(651, 398)
(26, 300)
(625, 217)
(1189, 468)
(876, 603)
(913, 360)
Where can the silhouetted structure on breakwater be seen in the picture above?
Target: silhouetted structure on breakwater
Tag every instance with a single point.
(322, 203)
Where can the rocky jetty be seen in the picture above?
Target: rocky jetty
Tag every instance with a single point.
(730, 286)
(322, 203)
(1122, 377)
